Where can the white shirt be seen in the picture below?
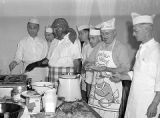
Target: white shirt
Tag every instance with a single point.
(86, 51)
(30, 50)
(149, 53)
(53, 45)
(64, 53)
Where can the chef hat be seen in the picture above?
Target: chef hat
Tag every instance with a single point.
(108, 25)
(94, 32)
(137, 18)
(99, 26)
(34, 20)
(82, 27)
(49, 30)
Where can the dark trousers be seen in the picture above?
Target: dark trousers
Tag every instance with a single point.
(126, 87)
(84, 96)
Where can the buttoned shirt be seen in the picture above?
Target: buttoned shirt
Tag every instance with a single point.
(31, 49)
(64, 53)
(149, 57)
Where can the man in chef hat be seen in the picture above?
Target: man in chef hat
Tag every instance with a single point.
(110, 56)
(144, 97)
(83, 36)
(94, 40)
(31, 49)
(49, 35)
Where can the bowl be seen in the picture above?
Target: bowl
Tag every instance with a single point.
(11, 110)
(42, 87)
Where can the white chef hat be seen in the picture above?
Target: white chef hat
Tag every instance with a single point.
(94, 32)
(108, 25)
(49, 30)
(137, 18)
(82, 27)
(99, 26)
(34, 20)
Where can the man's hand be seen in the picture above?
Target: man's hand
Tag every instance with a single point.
(12, 65)
(45, 61)
(96, 68)
(152, 110)
(115, 77)
(87, 65)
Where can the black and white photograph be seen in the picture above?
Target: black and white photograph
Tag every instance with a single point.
(79, 58)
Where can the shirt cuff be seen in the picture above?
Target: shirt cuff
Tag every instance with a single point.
(130, 73)
(157, 86)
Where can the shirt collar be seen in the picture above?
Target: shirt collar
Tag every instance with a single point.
(31, 38)
(148, 44)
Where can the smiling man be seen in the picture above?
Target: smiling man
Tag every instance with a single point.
(110, 56)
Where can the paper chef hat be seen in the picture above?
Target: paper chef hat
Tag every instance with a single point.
(94, 32)
(34, 20)
(137, 18)
(49, 30)
(108, 25)
(82, 27)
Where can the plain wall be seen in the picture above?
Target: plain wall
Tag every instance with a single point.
(14, 15)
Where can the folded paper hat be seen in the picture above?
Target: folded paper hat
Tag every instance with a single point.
(108, 25)
(99, 26)
(34, 20)
(82, 27)
(49, 30)
(137, 18)
(94, 32)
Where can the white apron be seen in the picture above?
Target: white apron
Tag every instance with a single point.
(141, 91)
(105, 96)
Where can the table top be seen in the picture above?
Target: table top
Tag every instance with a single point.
(78, 109)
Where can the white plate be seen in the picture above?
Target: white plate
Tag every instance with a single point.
(30, 94)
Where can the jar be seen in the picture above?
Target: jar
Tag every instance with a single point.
(33, 104)
(50, 100)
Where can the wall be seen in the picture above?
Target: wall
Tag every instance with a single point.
(14, 16)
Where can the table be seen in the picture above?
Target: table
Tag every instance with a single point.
(78, 109)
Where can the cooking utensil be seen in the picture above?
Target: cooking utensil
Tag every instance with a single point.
(41, 87)
(69, 87)
(11, 110)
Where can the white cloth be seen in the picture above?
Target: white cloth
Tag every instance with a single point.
(105, 96)
(49, 30)
(94, 32)
(30, 50)
(53, 45)
(146, 80)
(86, 50)
(26, 113)
(34, 20)
(64, 53)
(108, 25)
(138, 19)
(82, 27)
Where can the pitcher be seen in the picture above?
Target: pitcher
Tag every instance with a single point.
(69, 87)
